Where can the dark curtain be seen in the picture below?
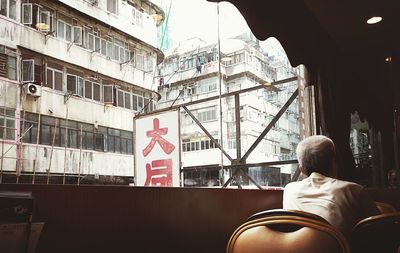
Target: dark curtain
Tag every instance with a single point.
(333, 112)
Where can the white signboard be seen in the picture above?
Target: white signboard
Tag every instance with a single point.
(157, 151)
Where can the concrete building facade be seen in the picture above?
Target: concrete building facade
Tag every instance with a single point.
(73, 74)
(191, 72)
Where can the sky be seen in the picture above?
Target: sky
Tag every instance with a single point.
(198, 18)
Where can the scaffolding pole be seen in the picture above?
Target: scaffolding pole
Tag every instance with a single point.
(80, 157)
(37, 149)
(51, 152)
(4, 132)
(65, 142)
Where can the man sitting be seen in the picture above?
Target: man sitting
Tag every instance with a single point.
(339, 202)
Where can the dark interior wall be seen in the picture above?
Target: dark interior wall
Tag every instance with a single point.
(139, 219)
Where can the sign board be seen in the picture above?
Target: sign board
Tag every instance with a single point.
(157, 149)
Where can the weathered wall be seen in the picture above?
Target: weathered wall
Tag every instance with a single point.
(91, 162)
(12, 34)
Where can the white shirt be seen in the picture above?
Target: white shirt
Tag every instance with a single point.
(339, 202)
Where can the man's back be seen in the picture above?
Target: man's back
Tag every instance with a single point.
(341, 203)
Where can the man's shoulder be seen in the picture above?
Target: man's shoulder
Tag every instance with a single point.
(348, 184)
(293, 185)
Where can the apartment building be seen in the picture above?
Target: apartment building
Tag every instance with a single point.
(192, 72)
(73, 73)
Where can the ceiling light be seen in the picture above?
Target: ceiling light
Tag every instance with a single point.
(374, 20)
(388, 59)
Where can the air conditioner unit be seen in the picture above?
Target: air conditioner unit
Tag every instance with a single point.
(33, 89)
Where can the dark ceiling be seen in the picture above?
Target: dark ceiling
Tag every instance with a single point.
(309, 29)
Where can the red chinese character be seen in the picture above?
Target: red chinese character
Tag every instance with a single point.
(156, 137)
(160, 174)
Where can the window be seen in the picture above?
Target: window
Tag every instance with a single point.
(100, 136)
(120, 98)
(44, 20)
(137, 17)
(149, 62)
(29, 127)
(134, 102)
(8, 63)
(27, 14)
(8, 8)
(112, 6)
(77, 35)
(7, 123)
(75, 84)
(88, 90)
(54, 79)
(128, 100)
(96, 92)
(28, 70)
(139, 59)
(119, 141)
(108, 94)
(140, 103)
(207, 115)
(91, 90)
(64, 31)
(194, 145)
(68, 133)
(103, 47)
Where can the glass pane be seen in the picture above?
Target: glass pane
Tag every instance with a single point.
(99, 142)
(45, 135)
(12, 13)
(68, 32)
(140, 103)
(60, 30)
(97, 44)
(120, 101)
(134, 102)
(110, 143)
(89, 141)
(27, 71)
(73, 138)
(58, 81)
(96, 92)
(129, 147)
(27, 13)
(88, 89)
(118, 144)
(103, 47)
(71, 83)
(128, 100)
(12, 68)
(108, 93)
(49, 78)
(77, 35)
(91, 41)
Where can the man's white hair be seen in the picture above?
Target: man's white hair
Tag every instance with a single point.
(316, 154)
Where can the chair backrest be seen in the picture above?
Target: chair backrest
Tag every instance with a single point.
(281, 231)
(379, 233)
(385, 207)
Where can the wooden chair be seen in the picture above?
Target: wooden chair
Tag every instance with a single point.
(385, 207)
(282, 231)
(379, 233)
